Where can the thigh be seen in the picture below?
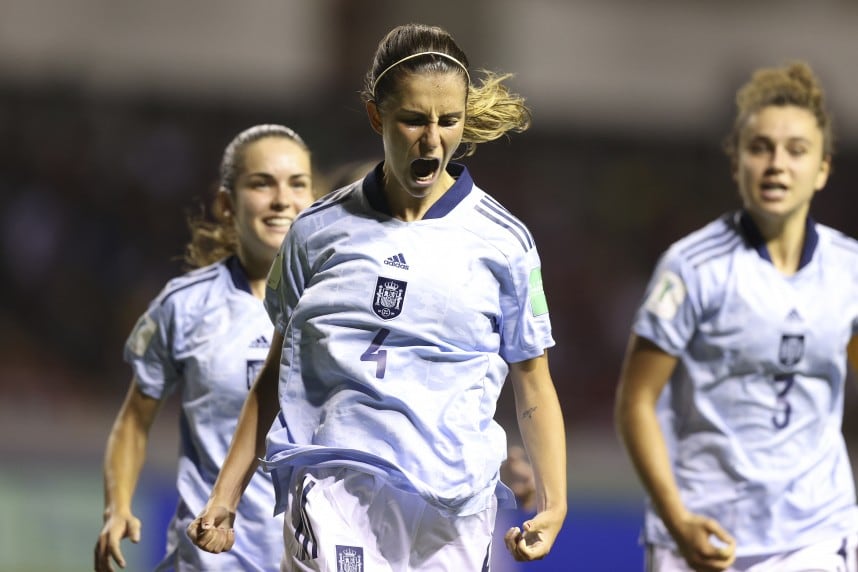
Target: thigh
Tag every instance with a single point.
(327, 526)
(454, 542)
(339, 520)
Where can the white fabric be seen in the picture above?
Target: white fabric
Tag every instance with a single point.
(342, 520)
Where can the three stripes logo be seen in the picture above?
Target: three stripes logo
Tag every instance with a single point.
(260, 342)
(397, 260)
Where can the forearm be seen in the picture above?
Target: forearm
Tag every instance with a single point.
(125, 452)
(248, 442)
(643, 438)
(543, 433)
(852, 354)
(123, 461)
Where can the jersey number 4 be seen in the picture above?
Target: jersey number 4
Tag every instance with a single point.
(372, 353)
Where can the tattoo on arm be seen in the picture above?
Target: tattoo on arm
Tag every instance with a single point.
(528, 413)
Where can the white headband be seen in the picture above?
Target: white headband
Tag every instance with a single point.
(417, 55)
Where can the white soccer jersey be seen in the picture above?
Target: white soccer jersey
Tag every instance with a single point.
(206, 336)
(757, 394)
(397, 337)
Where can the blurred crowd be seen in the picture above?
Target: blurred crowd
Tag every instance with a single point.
(95, 192)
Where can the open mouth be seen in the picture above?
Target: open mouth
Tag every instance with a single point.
(424, 170)
(773, 190)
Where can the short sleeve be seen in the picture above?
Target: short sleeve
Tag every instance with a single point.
(526, 327)
(148, 351)
(286, 282)
(668, 315)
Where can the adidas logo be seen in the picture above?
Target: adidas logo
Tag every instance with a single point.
(793, 315)
(260, 342)
(397, 260)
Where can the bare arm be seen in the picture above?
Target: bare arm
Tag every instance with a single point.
(540, 422)
(645, 372)
(212, 529)
(124, 457)
(852, 353)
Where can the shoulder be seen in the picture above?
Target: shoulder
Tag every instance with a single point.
(838, 251)
(711, 243)
(193, 288)
(328, 209)
(492, 221)
(841, 242)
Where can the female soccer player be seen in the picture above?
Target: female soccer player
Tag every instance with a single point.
(748, 323)
(205, 336)
(401, 302)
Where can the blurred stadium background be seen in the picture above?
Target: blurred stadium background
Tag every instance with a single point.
(113, 116)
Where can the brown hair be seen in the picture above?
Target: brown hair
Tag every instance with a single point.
(792, 84)
(491, 109)
(212, 240)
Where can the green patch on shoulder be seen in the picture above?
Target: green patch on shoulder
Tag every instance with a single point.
(538, 302)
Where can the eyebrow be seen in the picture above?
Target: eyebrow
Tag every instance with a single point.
(269, 174)
(423, 114)
(761, 136)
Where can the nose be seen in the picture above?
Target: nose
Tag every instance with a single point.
(431, 136)
(282, 197)
(778, 158)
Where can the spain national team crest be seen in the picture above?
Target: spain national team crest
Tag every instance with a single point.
(349, 558)
(791, 350)
(389, 294)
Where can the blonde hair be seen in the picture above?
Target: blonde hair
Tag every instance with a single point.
(215, 237)
(792, 84)
(491, 110)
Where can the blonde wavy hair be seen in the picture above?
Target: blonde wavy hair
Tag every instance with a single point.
(213, 234)
(791, 84)
(491, 111)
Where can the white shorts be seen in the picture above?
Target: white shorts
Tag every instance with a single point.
(837, 555)
(343, 520)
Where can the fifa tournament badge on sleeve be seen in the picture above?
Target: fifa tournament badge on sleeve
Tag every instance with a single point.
(142, 335)
(667, 296)
(538, 302)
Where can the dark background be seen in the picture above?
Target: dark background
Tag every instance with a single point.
(113, 118)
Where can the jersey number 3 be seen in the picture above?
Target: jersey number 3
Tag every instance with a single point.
(783, 383)
(372, 353)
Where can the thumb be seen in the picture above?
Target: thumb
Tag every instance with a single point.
(712, 526)
(534, 524)
(195, 528)
(134, 531)
(531, 531)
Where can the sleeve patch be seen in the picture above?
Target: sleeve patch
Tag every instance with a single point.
(276, 271)
(667, 296)
(140, 337)
(538, 302)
